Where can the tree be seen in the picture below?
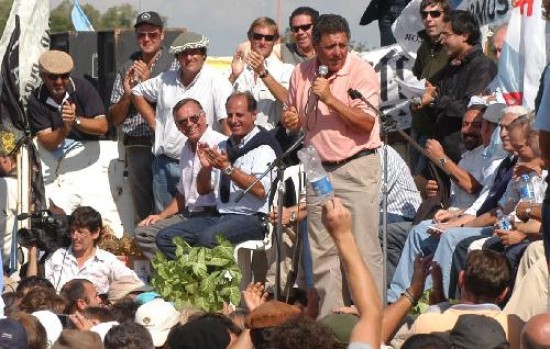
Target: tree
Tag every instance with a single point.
(5, 8)
(122, 16)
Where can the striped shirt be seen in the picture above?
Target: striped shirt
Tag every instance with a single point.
(403, 195)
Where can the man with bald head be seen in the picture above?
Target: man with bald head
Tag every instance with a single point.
(498, 39)
(536, 332)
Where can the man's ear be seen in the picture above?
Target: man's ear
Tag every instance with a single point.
(461, 279)
(501, 297)
(81, 304)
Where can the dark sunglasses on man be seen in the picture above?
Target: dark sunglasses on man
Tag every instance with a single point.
(303, 27)
(433, 14)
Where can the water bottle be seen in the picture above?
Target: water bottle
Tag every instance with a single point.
(526, 188)
(503, 221)
(316, 174)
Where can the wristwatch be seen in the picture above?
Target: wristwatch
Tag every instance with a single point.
(443, 161)
(264, 74)
(77, 121)
(229, 170)
(293, 217)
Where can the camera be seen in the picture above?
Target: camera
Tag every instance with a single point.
(48, 231)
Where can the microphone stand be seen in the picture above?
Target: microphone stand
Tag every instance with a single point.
(281, 167)
(388, 124)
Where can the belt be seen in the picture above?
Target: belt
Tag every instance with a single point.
(137, 140)
(209, 210)
(346, 160)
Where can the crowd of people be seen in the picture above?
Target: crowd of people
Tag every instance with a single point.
(458, 226)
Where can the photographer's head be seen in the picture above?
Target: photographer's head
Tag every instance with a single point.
(85, 229)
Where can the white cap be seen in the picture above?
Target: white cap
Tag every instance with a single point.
(158, 317)
(51, 323)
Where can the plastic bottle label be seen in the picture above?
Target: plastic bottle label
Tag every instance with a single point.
(322, 187)
(526, 193)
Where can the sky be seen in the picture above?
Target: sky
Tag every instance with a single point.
(225, 22)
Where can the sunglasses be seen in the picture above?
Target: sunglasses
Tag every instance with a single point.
(433, 14)
(193, 118)
(258, 37)
(151, 35)
(54, 77)
(304, 27)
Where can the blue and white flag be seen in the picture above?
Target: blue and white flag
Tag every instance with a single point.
(81, 22)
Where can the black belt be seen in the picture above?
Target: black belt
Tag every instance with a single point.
(346, 160)
(137, 140)
(209, 210)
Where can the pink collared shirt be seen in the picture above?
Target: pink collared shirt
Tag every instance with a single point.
(325, 130)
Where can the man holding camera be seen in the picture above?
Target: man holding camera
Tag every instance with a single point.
(82, 259)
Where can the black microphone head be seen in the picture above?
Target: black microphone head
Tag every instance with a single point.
(354, 94)
(322, 71)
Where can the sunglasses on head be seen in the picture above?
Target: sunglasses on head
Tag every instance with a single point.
(150, 35)
(258, 36)
(433, 14)
(193, 118)
(54, 77)
(304, 27)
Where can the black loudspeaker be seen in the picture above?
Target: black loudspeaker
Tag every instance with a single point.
(114, 47)
(82, 46)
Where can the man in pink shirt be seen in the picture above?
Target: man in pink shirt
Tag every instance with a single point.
(345, 132)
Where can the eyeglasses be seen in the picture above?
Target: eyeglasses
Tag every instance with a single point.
(193, 118)
(433, 14)
(150, 35)
(258, 37)
(54, 77)
(304, 27)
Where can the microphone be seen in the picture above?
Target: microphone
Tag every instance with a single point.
(322, 71)
(399, 106)
(354, 94)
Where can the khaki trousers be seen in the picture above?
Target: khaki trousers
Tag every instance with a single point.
(357, 184)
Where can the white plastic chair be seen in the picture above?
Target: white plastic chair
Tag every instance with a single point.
(244, 252)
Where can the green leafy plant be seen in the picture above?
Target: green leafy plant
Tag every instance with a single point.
(199, 276)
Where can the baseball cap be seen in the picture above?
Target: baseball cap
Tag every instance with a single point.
(56, 62)
(12, 334)
(149, 17)
(51, 324)
(158, 317)
(472, 331)
(340, 325)
(125, 285)
(493, 113)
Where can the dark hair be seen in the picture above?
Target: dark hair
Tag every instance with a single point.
(426, 341)
(32, 282)
(102, 314)
(39, 298)
(330, 24)
(251, 103)
(464, 23)
(124, 309)
(37, 337)
(302, 332)
(304, 10)
(86, 217)
(444, 4)
(128, 335)
(72, 291)
(486, 274)
(263, 22)
(184, 102)
(482, 108)
(229, 325)
(11, 300)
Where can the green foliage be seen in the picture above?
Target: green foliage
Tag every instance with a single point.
(5, 8)
(199, 276)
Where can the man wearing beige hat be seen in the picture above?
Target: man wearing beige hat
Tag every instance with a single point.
(63, 106)
(192, 80)
(151, 60)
